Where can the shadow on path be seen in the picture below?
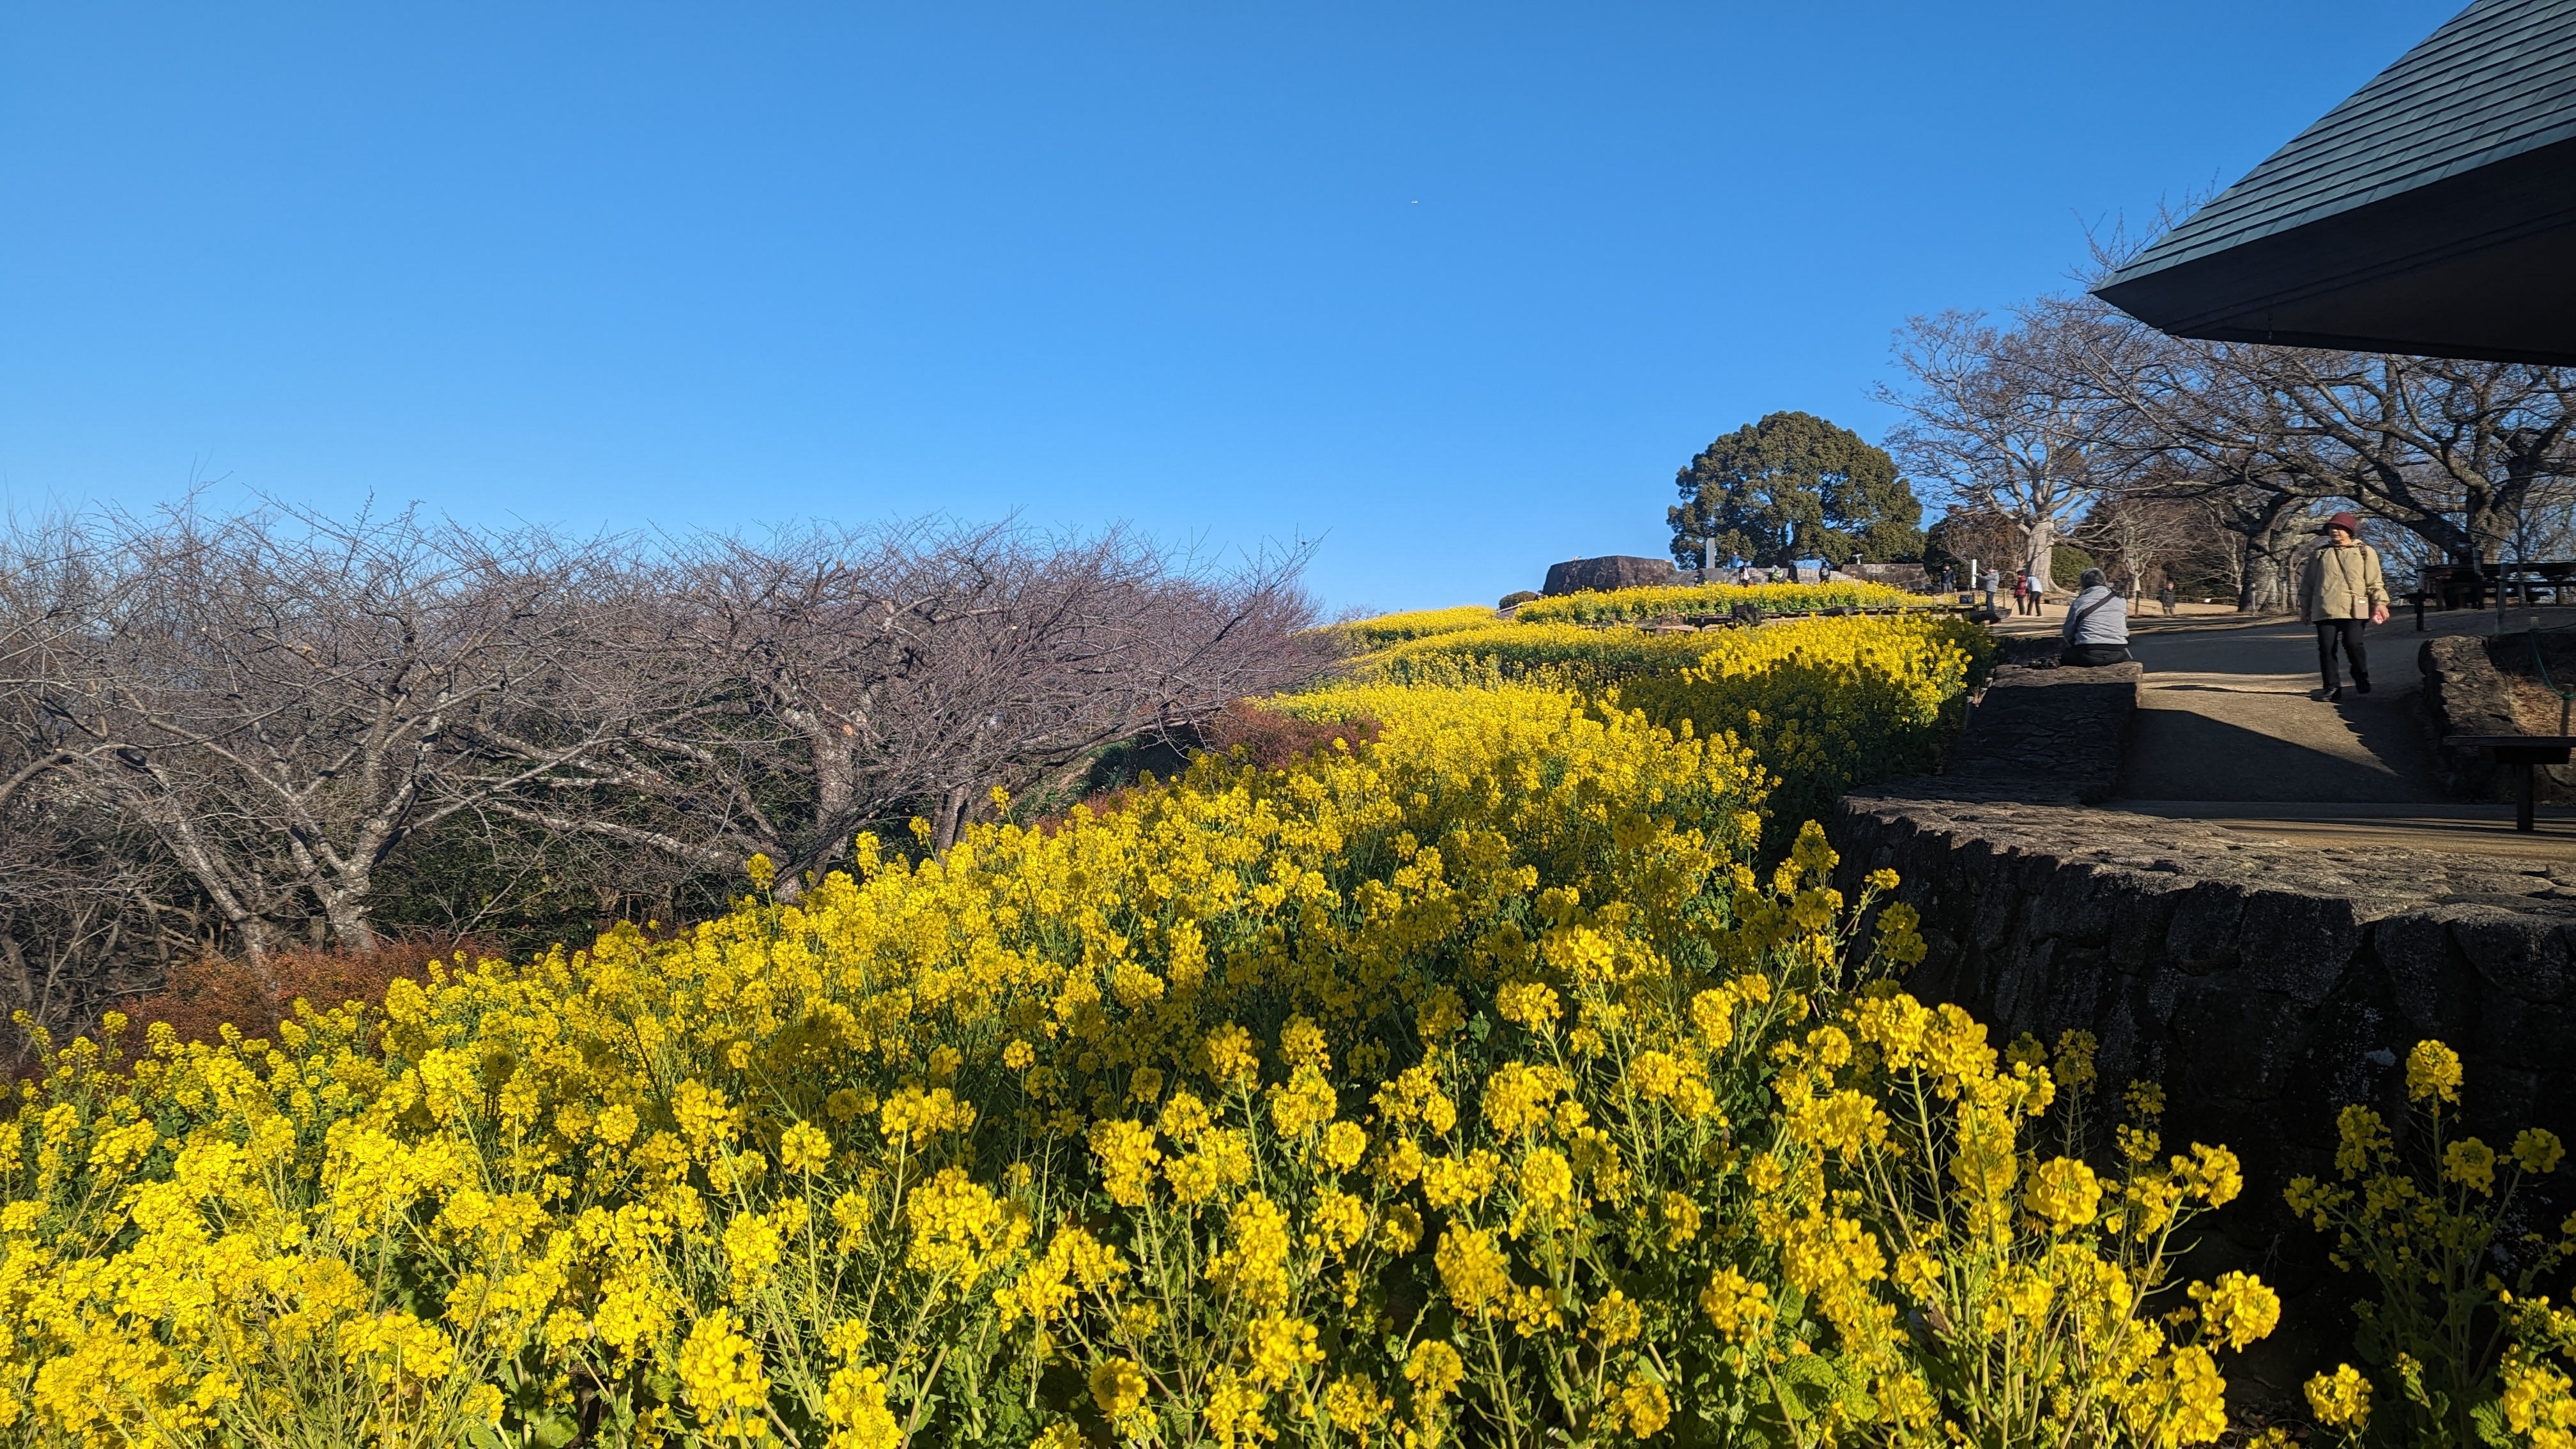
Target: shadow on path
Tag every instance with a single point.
(2230, 716)
(2181, 754)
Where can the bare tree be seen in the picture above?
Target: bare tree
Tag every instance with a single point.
(216, 733)
(2003, 417)
(2457, 452)
(2135, 533)
(281, 702)
(2468, 457)
(820, 682)
(1972, 535)
(90, 908)
(2471, 457)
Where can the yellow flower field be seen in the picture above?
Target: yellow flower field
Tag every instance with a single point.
(1823, 703)
(1635, 605)
(1469, 1084)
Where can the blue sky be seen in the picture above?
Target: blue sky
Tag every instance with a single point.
(1453, 288)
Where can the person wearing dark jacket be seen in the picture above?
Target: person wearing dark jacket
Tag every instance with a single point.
(2097, 623)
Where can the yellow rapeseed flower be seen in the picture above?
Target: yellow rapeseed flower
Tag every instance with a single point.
(2340, 1400)
(2433, 1074)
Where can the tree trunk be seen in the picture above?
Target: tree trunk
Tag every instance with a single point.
(952, 818)
(2250, 574)
(175, 826)
(2041, 547)
(347, 909)
(835, 786)
(2490, 526)
(2271, 552)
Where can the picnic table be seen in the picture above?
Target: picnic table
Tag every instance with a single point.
(2450, 584)
(2524, 753)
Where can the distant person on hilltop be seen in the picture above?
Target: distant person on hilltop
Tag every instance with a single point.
(2165, 596)
(2097, 623)
(2343, 593)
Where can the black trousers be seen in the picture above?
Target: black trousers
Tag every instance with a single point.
(2350, 631)
(2094, 655)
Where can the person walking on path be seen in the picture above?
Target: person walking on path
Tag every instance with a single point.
(2097, 623)
(2164, 596)
(2021, 593)
(2343, 594)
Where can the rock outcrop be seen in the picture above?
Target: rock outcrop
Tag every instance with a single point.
(1615, 571)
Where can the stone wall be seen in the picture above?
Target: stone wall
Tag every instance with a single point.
(2046, 734)
(2467, 693)
(2265, 985)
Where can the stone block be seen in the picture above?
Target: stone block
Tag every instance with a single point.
(2345, 1058)
(2162, 991)
(2553, 1101)
(2047, 735)
(2142, 912)
(2516, 1033)
(2074, 904)
(2125, 1033)
(2240, 1044)
(2202, 937)
(2518, 952)
(1998, 917)
(2414, 951)
(2501, 1099)
(2075, 989)
(2297, 944)
(2465, 693)
(2021, 985)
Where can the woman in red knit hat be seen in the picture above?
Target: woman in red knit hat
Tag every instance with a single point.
(2342, 594)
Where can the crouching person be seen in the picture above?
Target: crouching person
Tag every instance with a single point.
(2097, 623)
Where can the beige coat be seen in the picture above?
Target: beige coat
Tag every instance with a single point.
(2339, 578)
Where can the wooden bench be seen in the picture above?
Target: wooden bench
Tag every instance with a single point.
(2524, 753)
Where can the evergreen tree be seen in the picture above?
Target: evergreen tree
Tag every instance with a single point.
(1795, 486)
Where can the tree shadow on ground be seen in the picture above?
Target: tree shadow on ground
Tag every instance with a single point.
(2182, 755)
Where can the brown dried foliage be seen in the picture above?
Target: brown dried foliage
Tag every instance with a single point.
(204, 994)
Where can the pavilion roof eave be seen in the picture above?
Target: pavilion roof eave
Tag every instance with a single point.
(2481, 264)
(2433, 211)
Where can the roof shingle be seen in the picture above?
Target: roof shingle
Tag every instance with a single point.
(2495, 81)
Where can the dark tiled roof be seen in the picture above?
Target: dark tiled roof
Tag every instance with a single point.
(2499, 79)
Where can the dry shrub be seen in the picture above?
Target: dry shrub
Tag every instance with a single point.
(203, 995)
(2538, 669)
(1273, 740)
